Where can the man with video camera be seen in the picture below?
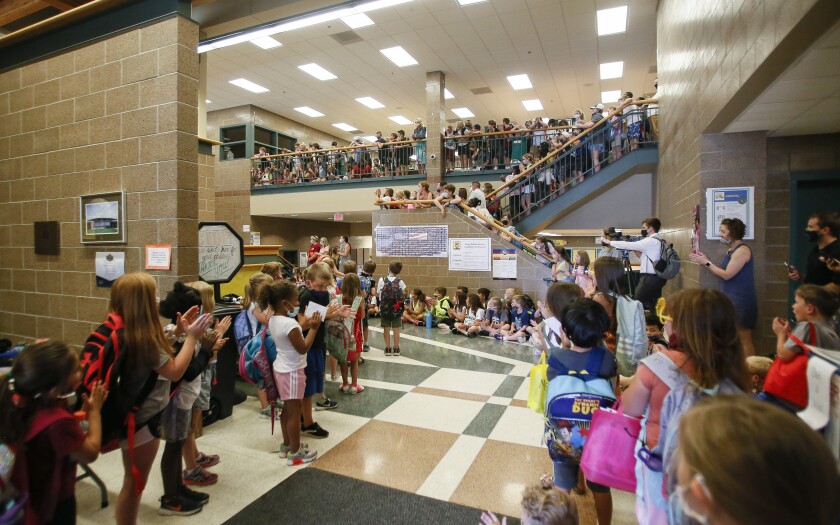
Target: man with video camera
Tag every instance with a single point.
(649, 289)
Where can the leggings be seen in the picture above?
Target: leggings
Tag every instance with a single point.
(170, 468)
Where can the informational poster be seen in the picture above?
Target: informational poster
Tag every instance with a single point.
(470, 254)
(109, 266)
(730, 203)
(255, 238)
(413, 241)
(504, 263)
(303, 259)
(220, 252)
(158, 256)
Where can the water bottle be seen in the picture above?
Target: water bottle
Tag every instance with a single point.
(428, 319)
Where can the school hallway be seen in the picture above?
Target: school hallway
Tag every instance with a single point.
(447, 420)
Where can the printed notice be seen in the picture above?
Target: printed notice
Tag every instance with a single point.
(504, 263)
(411, 241)
(729, 203)
(158, 256)
(469, 255)
(109, 267)
(820, 373)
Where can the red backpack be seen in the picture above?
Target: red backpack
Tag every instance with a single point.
(789, 381)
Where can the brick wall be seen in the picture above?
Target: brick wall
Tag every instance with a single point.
(206, 187)
(119, 114)
(428, 273)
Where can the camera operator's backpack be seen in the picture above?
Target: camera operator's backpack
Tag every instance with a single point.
(391, 299)
(668, 265)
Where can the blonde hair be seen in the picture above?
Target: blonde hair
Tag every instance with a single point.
(134, 298)
(351, 287)
(758, 365)
(319, 270)
(208, 297)
(548, 506)
(272, 268)
(252, 289)
(349, 267)
(761, 465)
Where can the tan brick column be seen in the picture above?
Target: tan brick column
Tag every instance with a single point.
(435, 122)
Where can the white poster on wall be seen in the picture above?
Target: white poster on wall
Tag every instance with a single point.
(730, 203)
(469, 255)
(427, 240)
(504, 263)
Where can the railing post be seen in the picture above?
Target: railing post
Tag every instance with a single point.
(435, 121)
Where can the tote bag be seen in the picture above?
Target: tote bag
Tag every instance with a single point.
(609, 455)
(538, 388)
(789, 381)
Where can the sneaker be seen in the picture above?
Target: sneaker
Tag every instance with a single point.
(521, 338)
(358, 389)
(265, 413)
(206, 461)
(198, 497)
(314, 430)
(199, 477)
(472, 334)
(284, 449)
(326, 404)
(361, 360)
(387, 351)
(497, 337)
(365, 348)
(178, 507)
(303, 455)
(454, 330)
(345, 389)
(397, 351)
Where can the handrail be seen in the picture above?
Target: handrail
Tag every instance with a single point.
(552, 154)
(328, 150)
(521, 131)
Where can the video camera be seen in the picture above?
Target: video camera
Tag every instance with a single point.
(614, 234)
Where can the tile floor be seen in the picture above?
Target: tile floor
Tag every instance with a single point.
(447, 419)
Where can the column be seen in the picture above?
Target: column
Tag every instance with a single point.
(435, 122)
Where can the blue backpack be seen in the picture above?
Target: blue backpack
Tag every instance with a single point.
(572, 399)
(242, 330)
(255, 363)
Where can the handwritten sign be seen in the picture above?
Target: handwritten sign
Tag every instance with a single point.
(220, 252)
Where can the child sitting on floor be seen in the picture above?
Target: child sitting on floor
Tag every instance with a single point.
(416, 314)
(456, 313)
(496, 318)
(521, 317)
(472, 319)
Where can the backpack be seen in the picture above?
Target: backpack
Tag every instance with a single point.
(102, 359)
(391, 299)
(441, 307)
(632, 342)
(367, 285)
(339, 337)
(255, 363)
(572, 398)
(242, 329)
(668, 265)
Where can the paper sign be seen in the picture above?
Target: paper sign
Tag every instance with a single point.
(246, 228)
(817, 412)
(313, 307)
(158, 256)
(469, 254)
(504, 263)
(729, 203)
(109, 266)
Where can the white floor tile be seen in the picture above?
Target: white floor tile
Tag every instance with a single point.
(519, 425)
(433, 412)
(522, 393)
(495, 400)
(446, 476)
(482, 383)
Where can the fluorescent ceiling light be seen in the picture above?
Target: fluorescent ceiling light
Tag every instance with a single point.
(250, 86)
(398, 56)
(611, 21)
(299, 23)
(370, 102)
(344, 126)
(317, 71)
(533, 104)
(370, 138)
(357, 21)
(266, 42)
(470, 2)
(612, 70)
(520, 81)
(608, 97)
(208, 101)
(306, 110)
(447, 95)
(401, 120)
(463, 112)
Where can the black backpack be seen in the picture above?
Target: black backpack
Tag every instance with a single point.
(668, 265)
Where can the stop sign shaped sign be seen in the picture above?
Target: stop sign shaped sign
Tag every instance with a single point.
(220, 252)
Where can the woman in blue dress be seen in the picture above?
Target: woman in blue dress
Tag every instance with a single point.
(738, 278)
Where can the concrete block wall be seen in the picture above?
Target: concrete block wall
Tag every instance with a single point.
(206, 187)
(428, 273)
(118, 114)
(233, 191)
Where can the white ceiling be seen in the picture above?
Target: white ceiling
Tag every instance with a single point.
(805, 99)
(554, 41)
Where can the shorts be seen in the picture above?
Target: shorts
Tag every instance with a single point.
(391, 323)
(175, 423)
(634, 130)
(148, 432)
(290, 385)
(566, 477)
(202, 402)
(314, 371)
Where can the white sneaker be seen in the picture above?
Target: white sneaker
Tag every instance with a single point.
(303, 455)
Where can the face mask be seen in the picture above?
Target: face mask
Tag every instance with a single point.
(293, 311)
(445, 194)
(644, 232)
(412, 198)
(678, 507)
(724, 240)
(813, 235)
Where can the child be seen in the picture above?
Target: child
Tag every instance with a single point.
(257, 320)
(455, 314)
(653, 328)
(416, 315)
(583, 323)
(350, 289)
(757, 368)
(559, 296)
(508, 298)
(483, 295)
(443, 304)
(35, 419)
(542, 504)
(462, 289)
(472, 319)
(496, 318)
(561, 270)
(366, 280)
(583, 277)
(290, 363)
(521, 317)
(390, 291)
(813, 308)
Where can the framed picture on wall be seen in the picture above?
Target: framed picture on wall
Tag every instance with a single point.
(102, 218)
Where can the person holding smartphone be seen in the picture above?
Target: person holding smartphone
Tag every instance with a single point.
(823, 229)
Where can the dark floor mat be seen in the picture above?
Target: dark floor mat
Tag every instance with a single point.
(313, 496)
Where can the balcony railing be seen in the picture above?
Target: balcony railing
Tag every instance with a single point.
(484, 151)
(571, 159)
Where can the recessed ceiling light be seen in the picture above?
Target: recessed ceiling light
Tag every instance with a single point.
(370, 102)
(306, 110)
(463, 112)
(208, 101)
(266, 42)
(533, 104)
(344, 126)
(317, 71)
(401, 120)
(398, 56)
(470, 2)
(611, 21)
(612, 70)
(447, 94)
(520, 81)
(250, 86)
(608, 97)
(357, 21)
(370, 138)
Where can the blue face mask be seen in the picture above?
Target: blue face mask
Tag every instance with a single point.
(445, 195)
(320, 295)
